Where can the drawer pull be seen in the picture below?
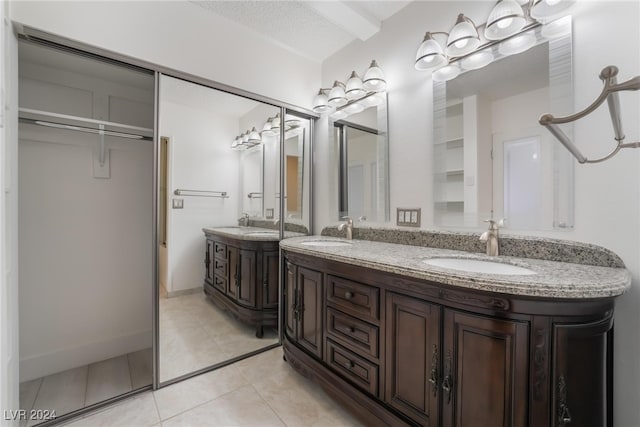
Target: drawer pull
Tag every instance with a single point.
(351, 329)
(349, 364)
(219, 249)
(348, 295)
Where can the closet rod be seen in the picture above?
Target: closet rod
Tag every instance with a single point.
(609, 93)
(201, 193)
(82, 124)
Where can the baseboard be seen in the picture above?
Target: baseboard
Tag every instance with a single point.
(181, 292)
(73, 357)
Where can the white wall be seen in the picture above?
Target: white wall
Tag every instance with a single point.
(607, 195)
(200, 159)
(9, 340)
(180, 35)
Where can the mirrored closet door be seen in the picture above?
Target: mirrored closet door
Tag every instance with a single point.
(220, 221)
(86, 170)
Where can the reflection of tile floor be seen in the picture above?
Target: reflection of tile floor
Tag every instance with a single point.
(195, 334)
(260, 391)
(76, 388)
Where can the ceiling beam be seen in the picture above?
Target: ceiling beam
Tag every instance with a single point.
(354, 21)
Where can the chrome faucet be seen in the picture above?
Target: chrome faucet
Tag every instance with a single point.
(491, 237)
(348, 225)
(244, 220)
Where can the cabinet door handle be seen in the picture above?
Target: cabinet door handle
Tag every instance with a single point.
(349, 364)
(219, 249)
(351, 329)
(564, 416)
(348, 295)
(447, 382)
(433, 379)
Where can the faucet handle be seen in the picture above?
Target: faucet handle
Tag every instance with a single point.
(348, 219)
(494, 225)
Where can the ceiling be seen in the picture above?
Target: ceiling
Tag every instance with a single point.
(313, 29)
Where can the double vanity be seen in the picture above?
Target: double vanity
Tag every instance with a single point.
(408, 333)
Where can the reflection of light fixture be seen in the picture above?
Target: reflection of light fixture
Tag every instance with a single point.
(292, 122)
(266, 129)
(374, 78)
(518, 44)
(547, 10)
(254, 136)
(356, 90)
(463, 38)
(477, 60)
(506, 19)
(430, 53)
(355, 87)
(448, 72)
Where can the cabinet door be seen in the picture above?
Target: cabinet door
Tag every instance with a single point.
(290, 301)
(233, 266)
(208, 262)
(247, 278)
(310, 310)
(580, 358)
(485, 371)
(270, 267)
(413, 358)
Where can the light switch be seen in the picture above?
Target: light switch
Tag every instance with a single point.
(408, 217)
(178, 203)
(269, 213)
(414, 217)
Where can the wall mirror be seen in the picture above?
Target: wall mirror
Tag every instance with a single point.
(491, 157)
(219, 183)
(362, 154)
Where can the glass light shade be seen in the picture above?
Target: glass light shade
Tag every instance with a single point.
(245, 137)
(463, 38)
(355, 88)
(506, 19)
(275, 122)
(429, 54)
(518, 44)
(446, 73)
(557, 28)
(477, 60)
(254, 136)
(292, 122)
(320, 102)
(337, 97)
(374, 78)
(547, 10)
(234, 144)
(266, 129)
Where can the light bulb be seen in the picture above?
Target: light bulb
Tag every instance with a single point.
(461, 43)
(504, 23)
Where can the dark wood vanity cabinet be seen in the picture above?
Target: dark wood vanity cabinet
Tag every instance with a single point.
(399, 351)
(241, 276)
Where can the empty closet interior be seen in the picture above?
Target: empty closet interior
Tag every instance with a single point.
(86, 186)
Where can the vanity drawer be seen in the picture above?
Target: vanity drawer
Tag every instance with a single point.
(360, 371)
(220, 250)
(220, 267)
(357, 299)
(220, 282)
(354, 334)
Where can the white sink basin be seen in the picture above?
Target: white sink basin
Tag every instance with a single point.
(478, 266)
(325, 243)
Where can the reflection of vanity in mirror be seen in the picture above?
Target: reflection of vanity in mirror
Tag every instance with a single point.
(220, 223)
(491, 157)
(362, 155)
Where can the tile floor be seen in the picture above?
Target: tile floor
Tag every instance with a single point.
(77, 388)
(195, 334)
(260, 391)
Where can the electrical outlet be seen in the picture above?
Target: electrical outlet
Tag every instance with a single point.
(408, 217)
(178, 203)
(269, 214)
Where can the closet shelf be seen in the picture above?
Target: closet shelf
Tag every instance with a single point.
(83, 124)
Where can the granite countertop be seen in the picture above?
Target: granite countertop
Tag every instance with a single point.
(552, 279)
(250, 233)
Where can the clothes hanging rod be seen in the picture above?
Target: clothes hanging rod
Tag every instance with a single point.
(201, 193)
(83, 124)
(610, 94)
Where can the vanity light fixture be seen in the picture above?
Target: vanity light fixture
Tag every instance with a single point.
(507, 21)
(357, 90)
(254, 136)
